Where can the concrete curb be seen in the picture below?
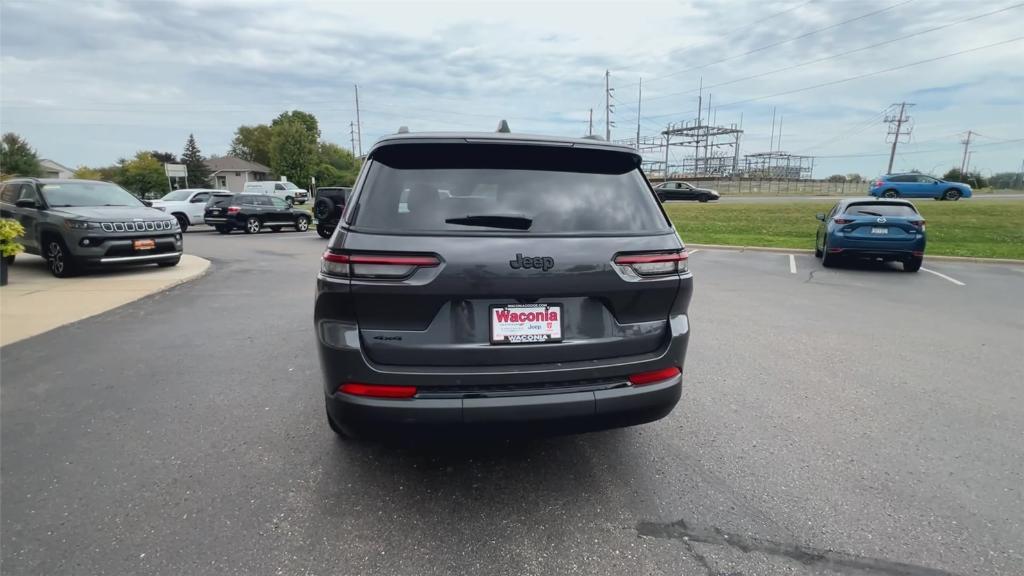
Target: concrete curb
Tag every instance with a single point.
(806, 251)
(35, 302)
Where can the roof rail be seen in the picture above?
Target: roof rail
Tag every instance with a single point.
(403, 130)
(503, 127)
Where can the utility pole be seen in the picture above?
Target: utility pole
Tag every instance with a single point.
(771, 145)
(608, 106)
(639, 100)
(700, 110)
(590, 124)
(352, 134)
(668, 136)
(707, 135)
(899, 120)
(359, 124)
(967, 144)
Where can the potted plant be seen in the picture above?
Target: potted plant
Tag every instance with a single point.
(9, 231)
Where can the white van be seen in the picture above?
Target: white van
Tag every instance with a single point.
(284, 190)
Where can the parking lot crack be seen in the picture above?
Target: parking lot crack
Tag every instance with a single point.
(806, 555)
(810, 276)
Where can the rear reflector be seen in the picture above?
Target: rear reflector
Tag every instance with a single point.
(377, 390)
(842, 221)
(654, 264)
(655, 376)
(234, 209)
(917, 253)
(834, 250)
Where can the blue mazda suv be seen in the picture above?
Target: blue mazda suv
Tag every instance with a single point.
(917, 186)
(880, 229)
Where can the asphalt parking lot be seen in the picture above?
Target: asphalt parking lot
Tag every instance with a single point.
(858, 420)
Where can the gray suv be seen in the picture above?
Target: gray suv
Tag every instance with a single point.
(495, 280)
(76, 224)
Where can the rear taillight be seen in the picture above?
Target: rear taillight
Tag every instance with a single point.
(879, 183)
(842, 221)
(377, 390)
(654, 264)
(386, 266)
(918, 223)
(234, 209)
(654, 376)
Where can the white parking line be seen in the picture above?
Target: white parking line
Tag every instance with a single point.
(943, 276)
(694, 251)
(792, 264)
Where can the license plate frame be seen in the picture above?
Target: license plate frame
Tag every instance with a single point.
(879, 230)
(143, 245)
(503, 333)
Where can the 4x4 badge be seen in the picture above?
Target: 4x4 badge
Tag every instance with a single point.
(544, 263)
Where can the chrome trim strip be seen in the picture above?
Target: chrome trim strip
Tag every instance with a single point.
(139, 258)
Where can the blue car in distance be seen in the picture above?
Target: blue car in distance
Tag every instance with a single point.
(915, 185)
(880, 229)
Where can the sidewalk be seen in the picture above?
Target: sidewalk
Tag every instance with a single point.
(34, 301)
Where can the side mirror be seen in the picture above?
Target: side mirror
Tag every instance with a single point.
(26, 203)
(148, 203)
(820, 216)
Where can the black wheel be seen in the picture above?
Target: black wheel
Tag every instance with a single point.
(223, 229)
(169, 263)
(60, 262)
(9, 259)
(951, 194)
(289, 199)
(703, 198)
(817, 251)
(912, 265)
(301, 224)
(323, 208)
(182, 221)
(891, 194)
(324, 230)
(252, 225)
(275, 228)
(828, 260)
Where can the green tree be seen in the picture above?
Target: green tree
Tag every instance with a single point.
(143, 176)
(854, 177)
(1007, 181)
(17, 157)
(305, 118)
(192, 158)
(338, 157)
(293, 152)
(972, 179)
(86, 173)
(252, 143)
(164, 157)
(837, 178)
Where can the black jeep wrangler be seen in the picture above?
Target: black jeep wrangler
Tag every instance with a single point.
(328, 205)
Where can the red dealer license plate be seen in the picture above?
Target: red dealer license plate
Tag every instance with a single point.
(526, 323)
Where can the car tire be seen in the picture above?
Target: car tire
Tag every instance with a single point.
(169, 263)
(252, 225)
(912, 265)
(182, 221)
(952, 194)
(324, 230)
(58, 259)
(703, 198)
(890, 194)
(323, 208)
(301, 224)
(289, 199)
(224, 229)
(828, 260)
(817, 251)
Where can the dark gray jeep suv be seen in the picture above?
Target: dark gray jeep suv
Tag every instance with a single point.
(501, 280)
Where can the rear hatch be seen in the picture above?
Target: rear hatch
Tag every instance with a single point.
(882, 222)
(491, 233)
(217, 205)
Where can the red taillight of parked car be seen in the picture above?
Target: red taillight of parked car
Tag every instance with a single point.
(234, 209)
(655, 264)
(654, 376)
(842, 221)
(879, 183)
(377, 390)
(918, 223)
(371, 266)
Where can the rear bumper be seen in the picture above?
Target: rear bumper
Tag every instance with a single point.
(541, 413)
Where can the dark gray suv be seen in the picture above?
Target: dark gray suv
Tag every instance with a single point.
(499, 280)
(76, 224)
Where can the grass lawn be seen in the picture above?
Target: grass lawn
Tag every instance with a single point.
(986, 229)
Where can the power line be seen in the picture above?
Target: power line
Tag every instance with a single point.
(841, 54)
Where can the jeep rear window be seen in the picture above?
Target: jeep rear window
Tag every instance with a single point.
(881, 209)
(481, 188)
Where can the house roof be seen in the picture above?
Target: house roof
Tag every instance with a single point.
(55, 164)
(230, 163)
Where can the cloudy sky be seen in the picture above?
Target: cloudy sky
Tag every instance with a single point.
(88, 82)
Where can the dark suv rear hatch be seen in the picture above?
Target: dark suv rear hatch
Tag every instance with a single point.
(473, 229)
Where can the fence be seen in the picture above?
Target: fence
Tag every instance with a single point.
(748, 187)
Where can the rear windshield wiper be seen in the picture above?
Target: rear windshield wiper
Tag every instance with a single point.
(507, 221)
(868, 213)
